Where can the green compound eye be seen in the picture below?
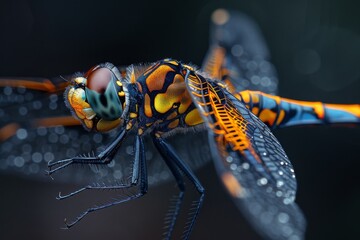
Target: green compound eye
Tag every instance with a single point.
(102, 94)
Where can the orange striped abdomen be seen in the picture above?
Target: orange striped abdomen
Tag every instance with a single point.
(281, 112)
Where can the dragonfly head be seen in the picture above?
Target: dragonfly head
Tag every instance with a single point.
(99, 98)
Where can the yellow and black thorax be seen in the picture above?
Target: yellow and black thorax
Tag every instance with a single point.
(153, 97)
(166, 104)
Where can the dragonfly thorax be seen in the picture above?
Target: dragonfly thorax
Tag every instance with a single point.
(98, 99)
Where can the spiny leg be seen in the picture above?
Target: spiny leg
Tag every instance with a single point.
(170, 156)
(171, 216)
(137, 167)
(102, 158)
(143, 184)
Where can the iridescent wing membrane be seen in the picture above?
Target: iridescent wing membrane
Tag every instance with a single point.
(250, 161)
(238, 54)
(36, 127)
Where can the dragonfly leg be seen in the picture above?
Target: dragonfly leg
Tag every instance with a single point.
(171, 216)
(138, 168)
(102, 158)
(139, 178)
(178, 166)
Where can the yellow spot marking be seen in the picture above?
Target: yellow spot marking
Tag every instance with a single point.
(121, 94)
(149, 124)
(129, 126)
(232, 185)
(173, 62)
(156, 80)
(193, 118)
(80, 80)
(105, 125)
(164, 101)
(140, 131)
(188, 67)
(133, 115)
(147, 106)
(174, 123)
(119, 83)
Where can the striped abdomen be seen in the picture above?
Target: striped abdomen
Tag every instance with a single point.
(279, 112)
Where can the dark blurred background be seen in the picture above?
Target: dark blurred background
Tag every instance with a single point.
(315, 47)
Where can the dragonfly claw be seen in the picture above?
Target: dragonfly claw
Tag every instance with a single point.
(67, 226)
(59, 197)
(62, 164)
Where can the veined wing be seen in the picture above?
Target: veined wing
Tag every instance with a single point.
(36, 127)
(238, 54)
(250, 161)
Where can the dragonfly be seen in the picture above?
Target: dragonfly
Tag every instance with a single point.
(159, 116)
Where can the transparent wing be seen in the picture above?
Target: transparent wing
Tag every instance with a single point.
(36, 127)
(238, 54)
(250, 162)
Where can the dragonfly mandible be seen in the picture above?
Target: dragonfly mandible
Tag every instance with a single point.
(161, 99)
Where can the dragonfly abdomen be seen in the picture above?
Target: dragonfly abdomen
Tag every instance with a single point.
(279, 112)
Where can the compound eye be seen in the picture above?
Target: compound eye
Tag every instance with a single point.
(99, 79)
